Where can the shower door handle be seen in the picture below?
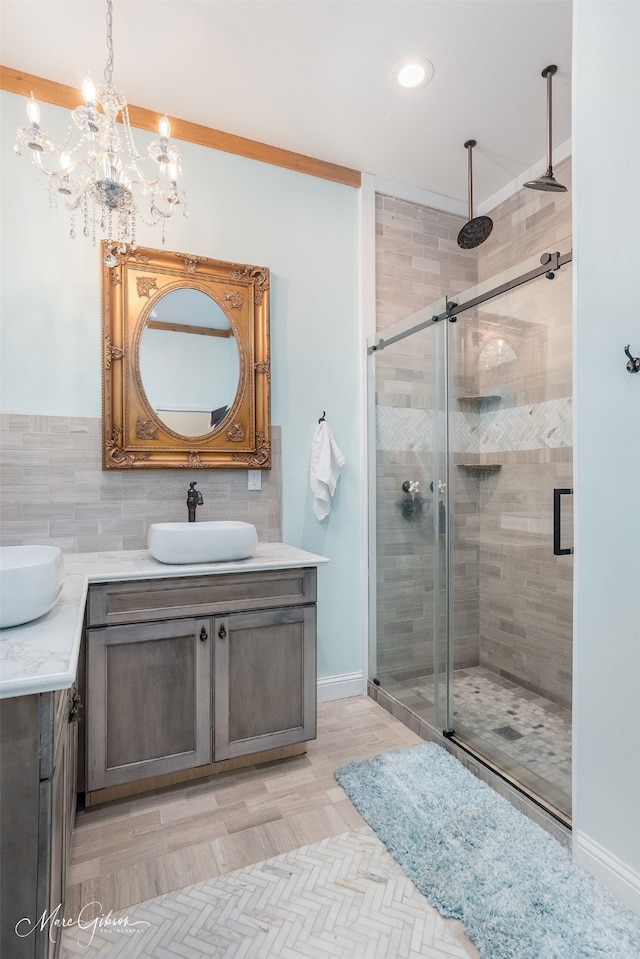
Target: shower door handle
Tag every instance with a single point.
(557, 522)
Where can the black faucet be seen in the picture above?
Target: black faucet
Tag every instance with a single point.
(194, 498)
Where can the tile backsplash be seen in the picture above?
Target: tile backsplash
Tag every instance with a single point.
(53, 489)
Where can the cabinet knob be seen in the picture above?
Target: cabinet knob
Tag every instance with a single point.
(222, 632)
(204, 636)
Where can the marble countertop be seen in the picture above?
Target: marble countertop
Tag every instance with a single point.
(43, 655)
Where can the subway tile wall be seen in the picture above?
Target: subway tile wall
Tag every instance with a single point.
(526, 593)
(53, 490)
(526, 225)
(513, 598)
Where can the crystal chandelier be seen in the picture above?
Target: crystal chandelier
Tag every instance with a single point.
(97, 176)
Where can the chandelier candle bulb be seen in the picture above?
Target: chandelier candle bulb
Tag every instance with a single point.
(33, 110)
(89, 91)
(165, 128)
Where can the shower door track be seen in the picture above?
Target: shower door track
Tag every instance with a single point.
(534, 797)
(549, 264)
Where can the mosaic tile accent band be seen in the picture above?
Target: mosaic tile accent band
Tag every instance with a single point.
(535, 426)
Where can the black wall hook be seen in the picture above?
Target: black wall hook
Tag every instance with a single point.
(322, 418)
(634, 362)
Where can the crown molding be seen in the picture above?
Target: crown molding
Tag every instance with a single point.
(417, 194)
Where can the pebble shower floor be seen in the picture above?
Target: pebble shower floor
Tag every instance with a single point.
(525, 734)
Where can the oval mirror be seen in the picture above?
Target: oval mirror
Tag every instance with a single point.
(189, 361)
(186, 363)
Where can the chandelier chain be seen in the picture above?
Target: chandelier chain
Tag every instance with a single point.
(108, 70)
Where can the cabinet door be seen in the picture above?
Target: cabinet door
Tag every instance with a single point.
(264, 680)
(149, 696)
(56, 821)
(19, 834)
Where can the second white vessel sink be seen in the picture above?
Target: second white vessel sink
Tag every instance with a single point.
(31, 579)
(215, 541)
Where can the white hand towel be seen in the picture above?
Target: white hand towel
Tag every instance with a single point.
(326, 463)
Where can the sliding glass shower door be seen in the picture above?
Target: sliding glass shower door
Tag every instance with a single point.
(473, 527)
(409, 607)
(510, 411)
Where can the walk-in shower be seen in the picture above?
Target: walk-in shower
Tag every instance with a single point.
(472, 595)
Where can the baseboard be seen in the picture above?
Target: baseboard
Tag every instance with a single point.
(621, 880)
(341, 687)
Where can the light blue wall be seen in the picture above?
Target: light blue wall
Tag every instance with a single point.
(306, 231)
(606, 184)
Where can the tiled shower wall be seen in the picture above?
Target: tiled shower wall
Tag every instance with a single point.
(512, 596)
(526, 591)
(54, 490)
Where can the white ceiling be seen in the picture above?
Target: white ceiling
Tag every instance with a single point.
(313, 76)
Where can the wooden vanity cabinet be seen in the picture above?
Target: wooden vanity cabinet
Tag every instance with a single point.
(38, 748)
(185, 673)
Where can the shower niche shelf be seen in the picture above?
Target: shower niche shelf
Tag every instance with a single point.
(480, 469)
(487, 401)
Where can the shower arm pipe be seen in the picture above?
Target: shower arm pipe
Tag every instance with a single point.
(549, 264)
(469, 145)
(548, 73)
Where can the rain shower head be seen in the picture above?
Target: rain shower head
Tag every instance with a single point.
(547, 181)
(477, 230)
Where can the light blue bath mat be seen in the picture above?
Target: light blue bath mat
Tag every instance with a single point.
(478, 859)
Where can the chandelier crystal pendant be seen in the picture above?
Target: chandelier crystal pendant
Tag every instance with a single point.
(98, 176)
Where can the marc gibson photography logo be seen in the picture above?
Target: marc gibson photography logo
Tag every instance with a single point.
(90, 919)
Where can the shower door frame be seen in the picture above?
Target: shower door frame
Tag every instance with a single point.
(550, 263)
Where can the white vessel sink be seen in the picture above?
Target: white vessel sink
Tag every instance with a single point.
(31, 579)
(209, 542)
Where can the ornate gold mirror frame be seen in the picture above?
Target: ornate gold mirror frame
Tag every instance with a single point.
(135, 434)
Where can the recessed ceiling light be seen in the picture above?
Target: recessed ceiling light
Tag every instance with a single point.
(412, 73)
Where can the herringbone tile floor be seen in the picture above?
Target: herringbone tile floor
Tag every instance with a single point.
(208, 832)
(341, 897)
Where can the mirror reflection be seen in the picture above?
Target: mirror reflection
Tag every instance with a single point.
(189, 361)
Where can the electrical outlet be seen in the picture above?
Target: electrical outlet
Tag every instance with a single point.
(254, 479)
